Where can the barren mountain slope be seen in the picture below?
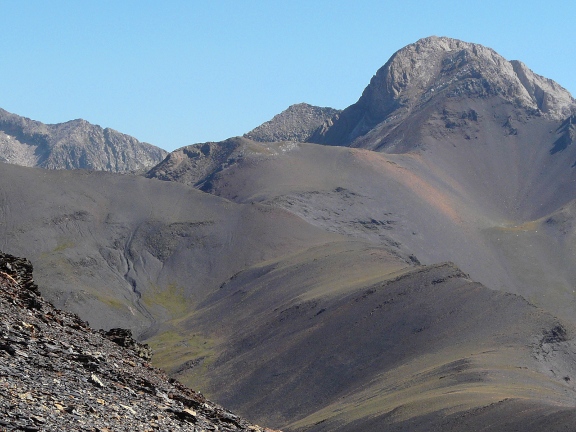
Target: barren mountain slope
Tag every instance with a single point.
(72, 145)
(288, 328)
(412, 205)
(343, 334)
(126, 251)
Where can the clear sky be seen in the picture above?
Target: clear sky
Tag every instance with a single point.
(174, 73)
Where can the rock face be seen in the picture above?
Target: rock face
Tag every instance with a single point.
(296, 123)
(123, 337)
(76, 144)
(438, 67)
(56, 373)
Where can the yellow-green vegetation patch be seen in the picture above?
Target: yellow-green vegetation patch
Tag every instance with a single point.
(530, 226)
(171, 298)
(186, 355)
(112, 302)
(62, 246)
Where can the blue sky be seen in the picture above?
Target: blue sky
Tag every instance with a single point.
(174, 73)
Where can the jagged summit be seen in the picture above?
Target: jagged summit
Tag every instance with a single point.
(441, 67)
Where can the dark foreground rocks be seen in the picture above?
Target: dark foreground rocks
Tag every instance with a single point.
(56, 373)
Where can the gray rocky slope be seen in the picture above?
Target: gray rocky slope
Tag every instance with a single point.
(56, 373)
(76, 144)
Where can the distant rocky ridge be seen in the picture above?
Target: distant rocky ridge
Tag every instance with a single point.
(76, 144)
(296, 123)
(195, 164)
(198, 165)
(56, 373)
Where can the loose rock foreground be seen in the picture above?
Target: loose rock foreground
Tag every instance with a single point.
(56, 373)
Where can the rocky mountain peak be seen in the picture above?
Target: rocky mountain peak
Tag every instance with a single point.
(550, 98)
(296, 123)
(436, 67)
(437, 64)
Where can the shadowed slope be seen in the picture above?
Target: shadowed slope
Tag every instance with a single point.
(401, 345)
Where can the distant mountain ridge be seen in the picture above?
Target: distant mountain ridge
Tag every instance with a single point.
(195, 164)
(76, 144)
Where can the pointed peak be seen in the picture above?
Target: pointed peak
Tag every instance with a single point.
(435, 64)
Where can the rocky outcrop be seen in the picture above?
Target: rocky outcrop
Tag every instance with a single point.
(200, 165)
(440, 67)
(296, 123)
(194, 165)
(566, 135)
(76, 144)
(123, 337)
(56, 373)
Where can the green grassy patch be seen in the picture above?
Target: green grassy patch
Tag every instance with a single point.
(63, 246)
(187, 355)
(112, 302)
(171, 299)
